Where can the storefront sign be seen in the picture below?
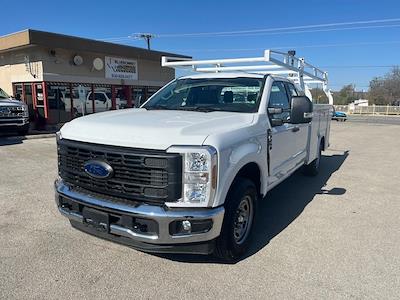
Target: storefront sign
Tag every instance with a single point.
(121, 68)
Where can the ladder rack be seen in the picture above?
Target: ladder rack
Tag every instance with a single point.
(273, 62)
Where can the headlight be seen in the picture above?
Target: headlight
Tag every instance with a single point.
(25, 110)
(199, 176)
(58, 136)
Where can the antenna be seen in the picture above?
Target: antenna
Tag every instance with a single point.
(147, 37)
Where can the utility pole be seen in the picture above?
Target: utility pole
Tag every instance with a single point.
(147, 37)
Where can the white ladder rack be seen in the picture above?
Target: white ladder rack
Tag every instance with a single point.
(273, 62)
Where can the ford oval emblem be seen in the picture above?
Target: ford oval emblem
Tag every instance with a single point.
(98, 169)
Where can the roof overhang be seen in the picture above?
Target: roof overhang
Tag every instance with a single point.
(29, 37)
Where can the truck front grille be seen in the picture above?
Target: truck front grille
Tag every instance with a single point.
(138, 174)
(11, 111)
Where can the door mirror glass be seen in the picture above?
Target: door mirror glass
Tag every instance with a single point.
(274, 110)
(301, 110)
(276, 122)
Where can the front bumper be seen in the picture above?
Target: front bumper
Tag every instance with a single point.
(13, 122)
(117, 214)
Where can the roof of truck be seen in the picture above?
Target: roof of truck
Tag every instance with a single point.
(222, 75)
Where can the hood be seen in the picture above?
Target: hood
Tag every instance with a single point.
(153, 129)
(10, 102)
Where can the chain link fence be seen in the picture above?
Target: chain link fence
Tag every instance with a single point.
(384, 110)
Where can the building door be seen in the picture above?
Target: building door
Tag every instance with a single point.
(39, 101)
(27, 97)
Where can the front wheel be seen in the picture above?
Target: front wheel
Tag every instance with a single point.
(24, 130)
(240, 208)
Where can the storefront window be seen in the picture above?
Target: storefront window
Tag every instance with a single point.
(18, 91)
(59, 103)
(82, 103)
(151, 90)
(122, 97)
(138, 96)
(102, 98)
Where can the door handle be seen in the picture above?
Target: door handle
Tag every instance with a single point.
(295, 129)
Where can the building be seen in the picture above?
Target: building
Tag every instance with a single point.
(358, 103)
(61, 77)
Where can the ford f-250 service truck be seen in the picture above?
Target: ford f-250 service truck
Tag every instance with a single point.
(185, 171)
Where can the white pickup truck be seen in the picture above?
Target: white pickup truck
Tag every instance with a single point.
(184, 173)
(101, 100)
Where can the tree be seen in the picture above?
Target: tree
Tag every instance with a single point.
(346, 95)
(319, 96)
(385, 90)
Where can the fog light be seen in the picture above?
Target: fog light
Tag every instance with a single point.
(190, 227)
(186, 225)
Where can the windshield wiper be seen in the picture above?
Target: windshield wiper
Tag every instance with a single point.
(204, 108)
(157, 107)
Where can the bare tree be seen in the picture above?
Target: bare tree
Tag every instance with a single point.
(386, 90)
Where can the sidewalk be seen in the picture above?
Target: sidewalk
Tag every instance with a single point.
(33, 134)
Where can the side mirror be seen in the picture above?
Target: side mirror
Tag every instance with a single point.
(276, 122)
(301, 110)
(272, 111)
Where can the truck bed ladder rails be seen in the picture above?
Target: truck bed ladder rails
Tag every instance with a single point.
(273, 62)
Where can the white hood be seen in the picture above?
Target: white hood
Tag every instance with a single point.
(153, 129)
(10, 102)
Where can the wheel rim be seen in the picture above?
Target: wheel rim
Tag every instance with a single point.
(243, 219)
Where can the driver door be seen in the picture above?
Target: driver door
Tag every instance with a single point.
(282, 148)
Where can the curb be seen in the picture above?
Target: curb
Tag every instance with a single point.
(40, 136)
(29, 137)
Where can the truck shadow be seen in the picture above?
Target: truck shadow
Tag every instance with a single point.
(283, 205)
(6, 141)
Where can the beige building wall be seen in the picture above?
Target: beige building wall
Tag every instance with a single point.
(34, 63)
(60, 67)
(20, 66)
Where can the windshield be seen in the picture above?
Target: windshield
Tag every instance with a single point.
(3, 95)
(209, 94)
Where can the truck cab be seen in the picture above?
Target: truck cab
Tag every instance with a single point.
(100, 99)
(185, 172)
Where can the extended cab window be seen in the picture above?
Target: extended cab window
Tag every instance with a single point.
(292, 90)
(100, 97)
(279, 99)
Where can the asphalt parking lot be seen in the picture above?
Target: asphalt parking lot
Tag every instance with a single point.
(333, 236)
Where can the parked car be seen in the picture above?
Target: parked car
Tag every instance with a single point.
(102, 102)
(185, 172)
(14, 115)
(339, 116)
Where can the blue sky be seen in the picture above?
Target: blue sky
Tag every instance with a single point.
(332, 50)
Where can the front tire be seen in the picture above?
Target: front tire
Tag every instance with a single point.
(240, 210)
(24, 130)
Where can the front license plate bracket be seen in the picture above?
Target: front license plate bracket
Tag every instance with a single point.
(96, 219)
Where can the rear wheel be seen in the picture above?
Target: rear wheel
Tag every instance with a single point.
(240, 207)
(312, 169)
